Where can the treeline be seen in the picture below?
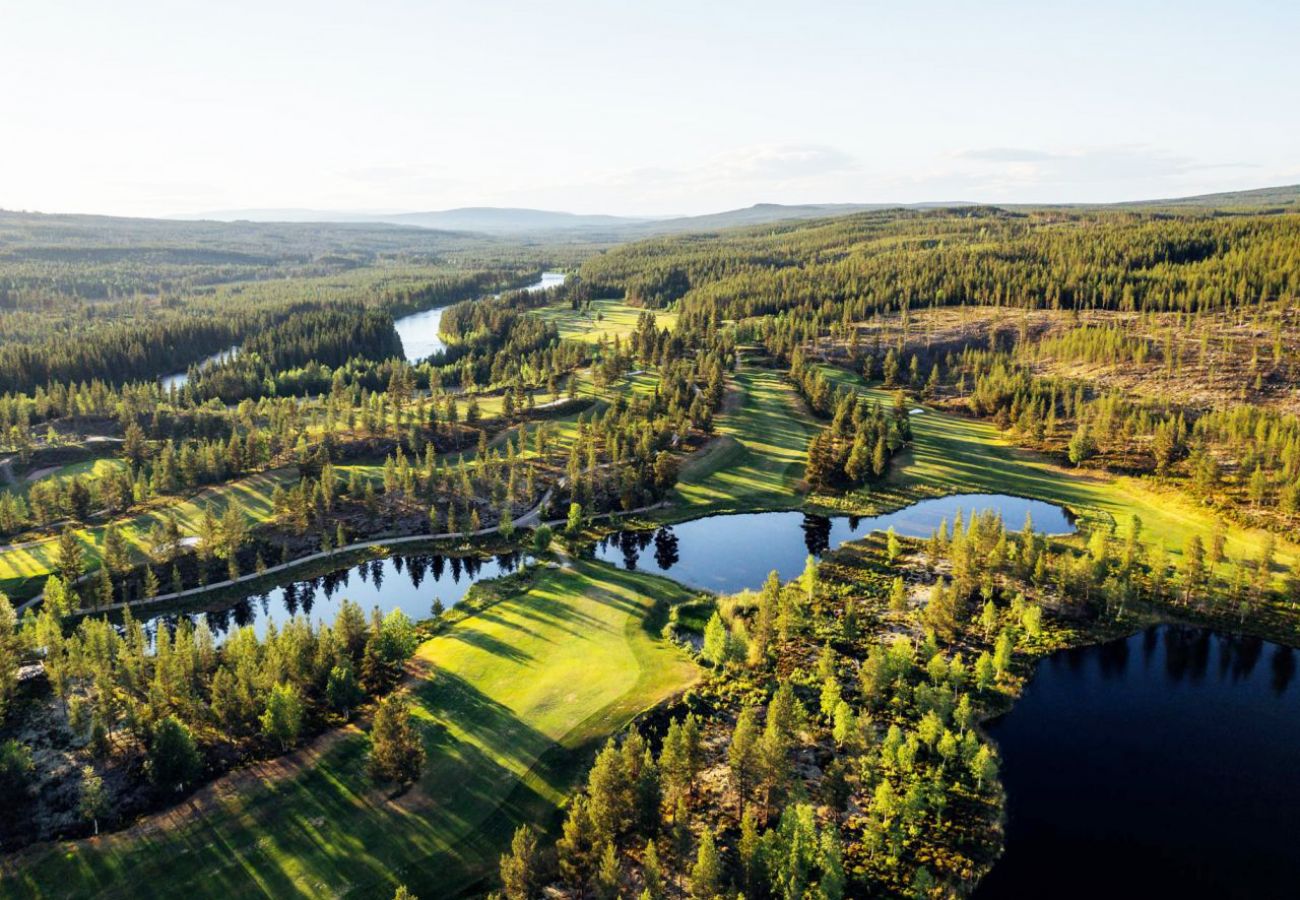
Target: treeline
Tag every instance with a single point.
(173, 707)
(142, 337)
(325, 338)
(119, 352)
(821, 272)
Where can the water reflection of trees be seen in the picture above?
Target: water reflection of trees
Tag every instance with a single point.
(666, 551)
(816, 534)
(1283, 668)
(1112, 659)
(1188, 653)
(301, 597)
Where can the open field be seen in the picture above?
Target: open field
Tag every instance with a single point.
(511, 701)
(606, 318)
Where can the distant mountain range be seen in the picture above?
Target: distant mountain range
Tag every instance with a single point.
(494, 220)
(1285, 197)
(505, 220)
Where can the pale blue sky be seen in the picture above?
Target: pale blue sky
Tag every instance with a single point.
(145, 108)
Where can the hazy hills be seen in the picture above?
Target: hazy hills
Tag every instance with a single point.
(508, 220)
(503, 221)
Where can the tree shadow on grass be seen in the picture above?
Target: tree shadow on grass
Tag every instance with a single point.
(490, 643)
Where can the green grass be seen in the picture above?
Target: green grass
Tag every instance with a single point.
(512, 703)
(95, 468)
(952, 454)
(23, 569)
(606, 318)
(757, 460)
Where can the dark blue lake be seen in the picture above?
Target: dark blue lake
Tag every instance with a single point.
(730, 553)
(1166, 764)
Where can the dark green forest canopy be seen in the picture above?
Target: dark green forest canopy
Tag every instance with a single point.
(85, 298)
(850, 267)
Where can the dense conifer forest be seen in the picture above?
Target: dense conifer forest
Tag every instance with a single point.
(604, 730)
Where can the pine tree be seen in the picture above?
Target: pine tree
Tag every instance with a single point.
(93, 801)
(519, 866)
(743, 755)
(69, 556)
(610, 875)
(174, 761)
(396, 751)
(706, 874)
(576, 846)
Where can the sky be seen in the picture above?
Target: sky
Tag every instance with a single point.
(144, 108)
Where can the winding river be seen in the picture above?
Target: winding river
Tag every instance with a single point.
(419, 331)
(178, 380)
(1160, 765)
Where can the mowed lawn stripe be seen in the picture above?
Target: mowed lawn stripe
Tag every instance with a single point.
(757, 460)
(511, 701)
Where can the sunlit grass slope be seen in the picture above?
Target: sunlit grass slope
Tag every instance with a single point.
(511, 701)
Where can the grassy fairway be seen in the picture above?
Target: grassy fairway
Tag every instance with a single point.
(95, 468)
(606, 318)
(952, 454)
(24, 567)
(757, 460)
(512, 700)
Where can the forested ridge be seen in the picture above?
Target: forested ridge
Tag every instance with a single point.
(855, 265)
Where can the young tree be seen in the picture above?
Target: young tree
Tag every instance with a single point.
(174, 761)
(342, 691)
(281, 721)
(897, 595)
(892, 546)
(942, 612)
(93, 802)
(1082, 447)
(16, 768)
(576, 847)
(716, 641)
(609, 877)
(652, 873)
(1193, 568)
(396, 751)
(706, 874)
(519, 866)
(59, 597)
(742, 753)
(984, 766)
(541, 539)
